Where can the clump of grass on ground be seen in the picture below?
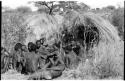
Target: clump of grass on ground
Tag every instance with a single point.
(106, 63)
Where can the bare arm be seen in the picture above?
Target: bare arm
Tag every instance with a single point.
(46, 66)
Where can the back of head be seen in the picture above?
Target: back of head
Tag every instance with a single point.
(32, 47)
(18, 46)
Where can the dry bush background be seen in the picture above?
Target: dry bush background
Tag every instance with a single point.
(103, 62)
(12, 29)
(117, 19)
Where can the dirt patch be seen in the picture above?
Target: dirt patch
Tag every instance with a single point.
(13, 75)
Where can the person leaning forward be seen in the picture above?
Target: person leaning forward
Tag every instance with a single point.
(53, 68)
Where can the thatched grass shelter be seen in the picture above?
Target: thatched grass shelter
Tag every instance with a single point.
(106, 30)
(106, 58)
(83, 27)
(42, 25)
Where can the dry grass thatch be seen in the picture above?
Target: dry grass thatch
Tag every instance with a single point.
(107, 31)
(42, 25)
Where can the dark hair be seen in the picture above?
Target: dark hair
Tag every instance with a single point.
(18, 46)
(32, 47)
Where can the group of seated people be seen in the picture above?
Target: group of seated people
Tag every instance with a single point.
(42, 61)
(39, 60)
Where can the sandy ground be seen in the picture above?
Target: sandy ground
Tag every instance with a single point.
(13, 75)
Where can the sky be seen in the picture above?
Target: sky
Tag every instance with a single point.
(92, 3)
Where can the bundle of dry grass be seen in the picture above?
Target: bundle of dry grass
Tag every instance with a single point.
(107, 31)
(107, 63)
(42, 25)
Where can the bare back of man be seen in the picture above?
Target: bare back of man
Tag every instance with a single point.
(33, 62)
